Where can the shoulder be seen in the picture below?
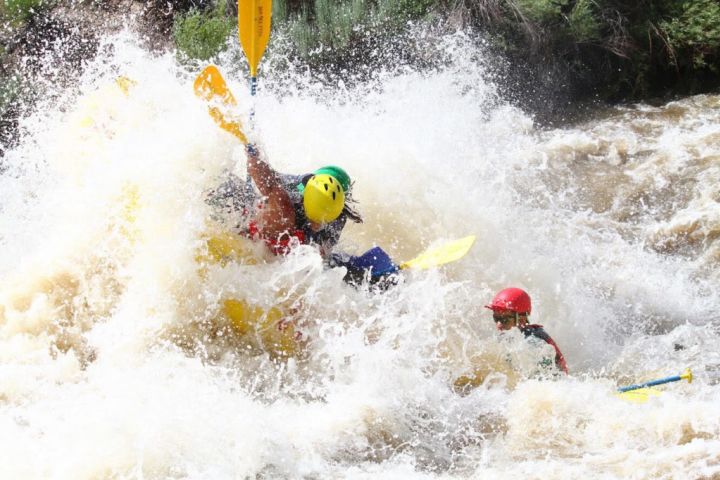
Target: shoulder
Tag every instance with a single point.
(290, 184)
(535, 330)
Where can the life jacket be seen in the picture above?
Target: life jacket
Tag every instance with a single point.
(537, 331)
(278, 246)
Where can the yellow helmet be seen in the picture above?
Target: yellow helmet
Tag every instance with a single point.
(323, 198)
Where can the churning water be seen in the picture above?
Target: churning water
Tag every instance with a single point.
(115, 361)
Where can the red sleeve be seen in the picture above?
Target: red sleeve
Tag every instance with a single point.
(559, 358)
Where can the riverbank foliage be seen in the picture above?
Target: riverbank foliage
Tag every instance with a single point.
(573, 49)
(336, 25)
(202, 34)
(615, 48)
(555, 52)
(16, 12)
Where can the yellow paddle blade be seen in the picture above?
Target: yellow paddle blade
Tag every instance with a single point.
(640, 395)
(231, 126)
(254, 29)
(441, 255)
(210, 86)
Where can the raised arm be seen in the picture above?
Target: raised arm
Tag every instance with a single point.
(277, 215)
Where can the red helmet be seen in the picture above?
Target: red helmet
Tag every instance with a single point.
(513, 299)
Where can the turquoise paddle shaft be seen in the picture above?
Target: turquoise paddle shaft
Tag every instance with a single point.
(651, 383)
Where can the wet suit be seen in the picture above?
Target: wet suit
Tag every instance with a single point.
(537, 331)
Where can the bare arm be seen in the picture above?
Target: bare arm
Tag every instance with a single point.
(278, 215)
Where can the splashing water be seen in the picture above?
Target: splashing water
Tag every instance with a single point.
(116, 362)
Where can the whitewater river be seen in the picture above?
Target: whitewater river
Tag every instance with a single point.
(117, 363)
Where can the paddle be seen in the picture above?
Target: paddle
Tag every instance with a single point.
(641, 395)
(686, 375)
(210, 85)
(254, 32)
(379, 263)
(447, 253)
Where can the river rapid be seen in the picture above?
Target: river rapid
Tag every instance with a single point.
(115, 362)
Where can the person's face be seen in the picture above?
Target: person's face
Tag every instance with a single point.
(504, 319)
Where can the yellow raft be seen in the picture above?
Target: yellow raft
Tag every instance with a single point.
(273, 328)
(97, 118)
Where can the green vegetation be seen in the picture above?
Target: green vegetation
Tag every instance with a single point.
(202, 34)
(583, 25)
(331, 27)
(334, 21)
(16, 12)
(539, 11)
(612, 48)
(695, 29)
(398, 12)
(339, 25)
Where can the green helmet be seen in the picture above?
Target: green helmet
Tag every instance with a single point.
(340, 175)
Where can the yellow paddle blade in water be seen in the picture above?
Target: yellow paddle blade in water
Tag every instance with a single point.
(210, 86)
(254, 29)
(640, 395)
(441, 255)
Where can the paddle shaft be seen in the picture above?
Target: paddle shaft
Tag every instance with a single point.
(652, 383)
(211, 86)
(253, 89)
